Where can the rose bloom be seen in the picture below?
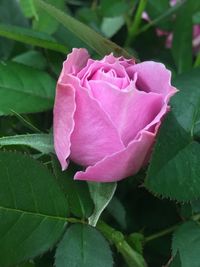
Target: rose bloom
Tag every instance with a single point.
(107, 113)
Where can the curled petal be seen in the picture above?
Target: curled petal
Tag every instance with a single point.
(63, 124)
(154, 77)
(74, 63)
(121, 164)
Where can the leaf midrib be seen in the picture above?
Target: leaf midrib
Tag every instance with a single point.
(33, 213)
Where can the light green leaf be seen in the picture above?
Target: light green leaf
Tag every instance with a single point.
(24, 89)
(83, 246)
(40, 142)
(32, 58)
(110, 26)
(31, 37)
(186, 242)
(101, 194)
(28, 8)
(100, 44)
(33, 209)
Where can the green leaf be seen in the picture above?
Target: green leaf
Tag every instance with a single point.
(186, 103)
(186, 241)
(83, 246)
(31, 37)
(10, 13)
(117, 211)
(176, 262)
(76, 192)
(174, 169)
(32, 58)
(40, 142)
(32, 209)
(110, 26)
(27, 264)
(24, 89)
(101, 194)
(182, 38)
(86, 34)
(44, 22)
(156, 8)
(28, 8)
(113, 8)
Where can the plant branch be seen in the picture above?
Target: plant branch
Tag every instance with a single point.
(136, 22)
(132, 258)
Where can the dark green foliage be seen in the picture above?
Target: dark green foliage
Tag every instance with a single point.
(46, 217)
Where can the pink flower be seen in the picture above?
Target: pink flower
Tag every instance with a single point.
(107, 113)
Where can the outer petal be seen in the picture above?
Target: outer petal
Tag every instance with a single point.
(121, 164)
(94, 135)
(63, 124)
(74, 63)
(153, 77)
(130, 110)
(64, 106)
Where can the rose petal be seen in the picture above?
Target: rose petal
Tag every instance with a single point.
(63, 125)
(121, 164)
(129, 110)
(110, 76)
(96, 70)
(94, 135)
(74, 63)
(153, 77)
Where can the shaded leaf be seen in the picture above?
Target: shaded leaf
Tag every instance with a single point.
(174, 169)
(186, 242)
(76, 192)
(32, 209)
(83, 246)
(182, 38)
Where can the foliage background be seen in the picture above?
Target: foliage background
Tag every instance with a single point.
(153, 218)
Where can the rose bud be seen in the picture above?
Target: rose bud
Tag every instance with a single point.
(107, 113)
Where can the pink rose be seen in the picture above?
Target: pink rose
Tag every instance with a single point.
(107, 113)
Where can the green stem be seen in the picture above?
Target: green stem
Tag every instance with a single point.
(161, 233)
(197, 61)
(136, 22)
(132, 258)
(169, 230)
(75, 220)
